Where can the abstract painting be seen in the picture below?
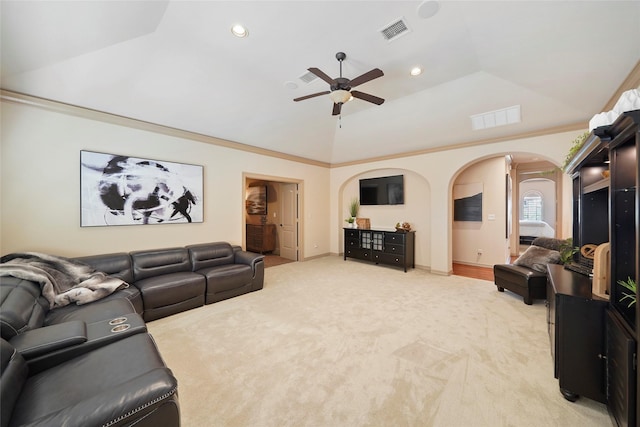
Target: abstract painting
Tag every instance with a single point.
(467, 202)
(123, 190)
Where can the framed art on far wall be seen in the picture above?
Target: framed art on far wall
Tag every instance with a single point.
(123, 190)
(256, 201)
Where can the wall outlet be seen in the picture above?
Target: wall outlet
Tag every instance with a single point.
(479, 251)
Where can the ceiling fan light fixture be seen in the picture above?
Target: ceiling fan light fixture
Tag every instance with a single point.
(340, 96)
(239, 31)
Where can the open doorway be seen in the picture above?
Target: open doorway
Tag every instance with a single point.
(537, 208)
(272, 221)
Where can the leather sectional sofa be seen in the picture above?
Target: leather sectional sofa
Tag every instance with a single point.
(96, 364)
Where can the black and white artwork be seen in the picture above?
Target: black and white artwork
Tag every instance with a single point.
(122, 190)
(467, 202)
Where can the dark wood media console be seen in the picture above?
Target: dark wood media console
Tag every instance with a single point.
(576, 326)
(381, 247)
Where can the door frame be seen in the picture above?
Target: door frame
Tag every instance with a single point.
(523, 172)
(300, 205)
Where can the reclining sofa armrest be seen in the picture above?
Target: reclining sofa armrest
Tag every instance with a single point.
(37, 342)
(248, 258)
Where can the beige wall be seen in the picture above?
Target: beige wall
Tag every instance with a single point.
(489, 235)
(40, 188)
(439, 170)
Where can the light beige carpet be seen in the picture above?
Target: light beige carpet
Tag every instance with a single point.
(329, 342)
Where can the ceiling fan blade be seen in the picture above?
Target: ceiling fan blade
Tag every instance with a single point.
(321, 74)
(367, 97)
(313, 95)
(370, 75)
(336, 109)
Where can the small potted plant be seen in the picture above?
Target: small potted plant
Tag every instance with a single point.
(354, 207)
(352, 222)
(567, 250)
(630, 285)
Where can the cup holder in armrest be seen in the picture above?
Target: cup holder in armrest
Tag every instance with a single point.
(120, 328)
(117, 321)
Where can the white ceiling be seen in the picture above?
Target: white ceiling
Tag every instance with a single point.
(176, 63)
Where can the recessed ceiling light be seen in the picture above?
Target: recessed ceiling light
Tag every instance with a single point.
(239, 31)
(427, 9)
(416, 71)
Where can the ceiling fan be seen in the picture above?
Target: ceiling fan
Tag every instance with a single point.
(341, 87)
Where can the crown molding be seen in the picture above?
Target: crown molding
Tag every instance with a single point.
(631, 82)
(542, 132)
(87, 113)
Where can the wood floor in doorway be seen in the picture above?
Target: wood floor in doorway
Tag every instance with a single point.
(273, 260)
(475, 272)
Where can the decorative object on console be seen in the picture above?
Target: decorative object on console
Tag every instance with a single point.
(602, 271)
(363, 223)
(122, 190)
(403, 227)
(354, 207)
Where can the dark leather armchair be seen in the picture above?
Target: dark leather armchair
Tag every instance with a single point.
(527, 276)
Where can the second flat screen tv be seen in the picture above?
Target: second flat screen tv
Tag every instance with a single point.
(387, 190)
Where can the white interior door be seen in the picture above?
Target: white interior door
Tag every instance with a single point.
(289, 221)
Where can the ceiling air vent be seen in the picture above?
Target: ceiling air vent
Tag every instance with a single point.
(491, 119)
(395, 29)
(308, 77)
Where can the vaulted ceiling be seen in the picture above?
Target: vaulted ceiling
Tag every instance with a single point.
(177, 64)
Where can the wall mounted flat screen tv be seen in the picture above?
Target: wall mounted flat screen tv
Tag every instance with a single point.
(386, 190)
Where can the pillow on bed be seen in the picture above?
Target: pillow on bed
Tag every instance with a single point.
(537, 258)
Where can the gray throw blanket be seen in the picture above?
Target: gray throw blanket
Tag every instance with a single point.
(63, 281)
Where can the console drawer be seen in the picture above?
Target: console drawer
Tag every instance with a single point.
(394, 238)
(394, 249)
(351, 234)
(352, 243)
(358, 253)
(385, 258)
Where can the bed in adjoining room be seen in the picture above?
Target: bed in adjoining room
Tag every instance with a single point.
(530, 229)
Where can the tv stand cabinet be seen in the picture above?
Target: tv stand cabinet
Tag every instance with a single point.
(381, 247)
